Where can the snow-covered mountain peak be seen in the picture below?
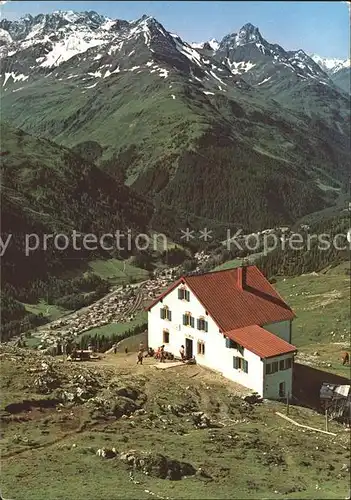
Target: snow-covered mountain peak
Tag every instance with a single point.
(248, 34)
(330, 65)
(211, 45)
(69, 15)
(26, 18)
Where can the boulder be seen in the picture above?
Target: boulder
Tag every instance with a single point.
(202, 421)
(106, 452)
(253, 398)
(157, 465)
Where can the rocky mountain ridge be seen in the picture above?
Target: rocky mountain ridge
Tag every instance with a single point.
(56, 38)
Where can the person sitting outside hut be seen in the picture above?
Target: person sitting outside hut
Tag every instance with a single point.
(150, 352)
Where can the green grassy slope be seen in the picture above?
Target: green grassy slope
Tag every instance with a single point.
(263, 454)
(117, 271)
(321, 303)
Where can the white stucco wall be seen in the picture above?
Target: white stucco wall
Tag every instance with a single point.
(217, 356)
(271, 381)
(281, 329)
(253, 379)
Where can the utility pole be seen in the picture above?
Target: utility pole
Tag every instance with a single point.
(287, 404)
(326, 419)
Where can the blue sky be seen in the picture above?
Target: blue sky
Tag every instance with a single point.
(320, 27)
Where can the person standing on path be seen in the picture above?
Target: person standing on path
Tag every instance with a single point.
(182, 353)
(162, 354)
(345, 358)
(140, 358)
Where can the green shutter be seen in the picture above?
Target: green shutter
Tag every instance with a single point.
(206, 326)
(162, 313)
(180, 294)
(184, 319)
(170, 315)
(187, 295)
(246, 366)
(235, 362)
(198, 324)
(192, 321)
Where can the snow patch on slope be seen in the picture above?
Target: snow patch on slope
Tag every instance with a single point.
(64, 50)
(16, 78)
(238, 68)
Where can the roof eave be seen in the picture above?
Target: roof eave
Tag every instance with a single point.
(293, 351)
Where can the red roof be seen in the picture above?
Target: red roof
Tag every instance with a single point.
(232, 306)
(259, 341)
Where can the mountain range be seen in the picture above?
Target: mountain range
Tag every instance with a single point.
(237, 131)
(337, 69)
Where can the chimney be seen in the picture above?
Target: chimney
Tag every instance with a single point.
(241, 277)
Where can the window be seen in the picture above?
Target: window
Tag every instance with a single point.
(240, 364)
(165, 313)
(275, 367)
(201, 348)
(202, 324)
(165, 337)
(229, 343)
(188, 320)
(272, 367)
(183, 294)
(285, 364)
